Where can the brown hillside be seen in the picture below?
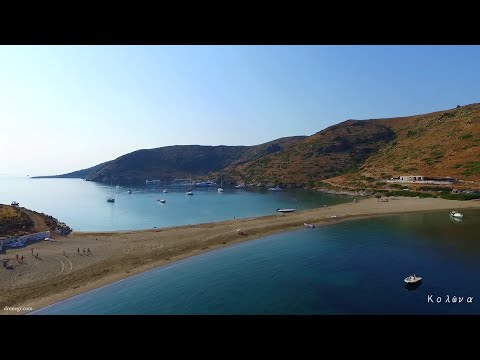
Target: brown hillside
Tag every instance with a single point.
(17, 221)
(444, 143)
(337, 149)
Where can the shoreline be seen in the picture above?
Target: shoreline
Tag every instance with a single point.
(118, 255)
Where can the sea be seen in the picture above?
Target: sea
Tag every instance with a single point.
(349, 268)
(82, 204)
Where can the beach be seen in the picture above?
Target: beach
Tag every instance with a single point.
(62, 269)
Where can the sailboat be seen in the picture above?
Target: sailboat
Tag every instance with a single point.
(190, 192)
(111, 199)
(220, 189)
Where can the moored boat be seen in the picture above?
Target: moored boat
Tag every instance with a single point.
(456, 214)
(285, 210)
(413, 279)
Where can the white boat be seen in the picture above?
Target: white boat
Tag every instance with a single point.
(413, 279)
(154, 181)
(205, 184)
(14, 203)
(286, 210)
(309, 225)
(190, 192)
(220, 189)
(111, 199)
(240, 186)
(162, 201)
(164, 191)
(456, 214)
(276, 188)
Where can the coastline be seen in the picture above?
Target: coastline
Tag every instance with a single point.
(53, 277)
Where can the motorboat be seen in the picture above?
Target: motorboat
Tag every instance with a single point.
(456, 214)
(163, 201)
(413, 279)
(240, 186)
(164, 191)
(285, 210)
(276, 188)
(154, 181)
(14, 203)
(312, 226)
(111, 199)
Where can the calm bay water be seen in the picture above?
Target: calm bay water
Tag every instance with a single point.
(355, 267)
(82, 204)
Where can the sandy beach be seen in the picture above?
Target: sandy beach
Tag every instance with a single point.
(62, 269)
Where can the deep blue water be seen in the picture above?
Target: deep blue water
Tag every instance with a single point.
(82, 204)
(355, 267)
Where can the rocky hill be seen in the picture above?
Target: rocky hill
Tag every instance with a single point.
(352, 154)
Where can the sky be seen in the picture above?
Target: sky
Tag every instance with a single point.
(65, 108)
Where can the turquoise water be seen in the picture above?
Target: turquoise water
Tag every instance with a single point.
(354, 267)
(82, 204)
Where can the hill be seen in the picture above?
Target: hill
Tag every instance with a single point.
(353, 154)
(178, 161)
(356, 153)
(17, 221)
(79, 174)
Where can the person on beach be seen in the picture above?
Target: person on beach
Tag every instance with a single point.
(17, 257)
(22, 258)
(37, 255)
(32, 251)
(84, 250)
(78, 250)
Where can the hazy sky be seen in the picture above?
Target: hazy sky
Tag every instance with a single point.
(63, 108)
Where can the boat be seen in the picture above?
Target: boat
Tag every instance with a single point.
(220, 189)
(413, 279)
(129, 191)
(276, 188)
(205, 183)
(456, 214)
(14, 203)
(285, 210)
(240, 186)
(312, 226)
(190, 192)
(163, 201)
(111, 199)
(154, 181)
(164, 191)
